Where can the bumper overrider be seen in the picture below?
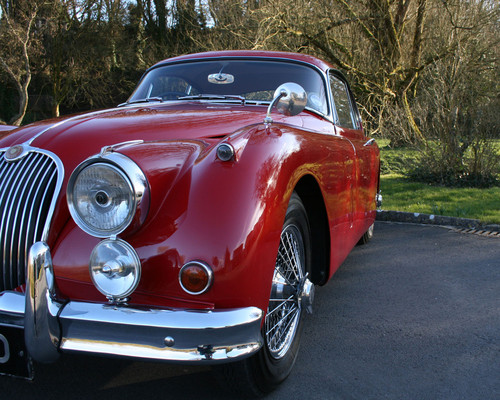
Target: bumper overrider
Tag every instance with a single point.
(189, 336)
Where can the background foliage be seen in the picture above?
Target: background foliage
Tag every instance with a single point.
(426, 72)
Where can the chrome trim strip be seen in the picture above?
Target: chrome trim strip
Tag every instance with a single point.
(70, 119)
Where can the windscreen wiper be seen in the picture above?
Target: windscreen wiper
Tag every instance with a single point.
(145, 100)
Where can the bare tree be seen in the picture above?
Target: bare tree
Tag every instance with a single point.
(378, 42)
(17, 23)
(425, 71)
(458, 100)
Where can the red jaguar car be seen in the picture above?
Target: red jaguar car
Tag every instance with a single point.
(189, 224)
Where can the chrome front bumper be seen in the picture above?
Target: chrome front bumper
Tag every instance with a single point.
(190, 336)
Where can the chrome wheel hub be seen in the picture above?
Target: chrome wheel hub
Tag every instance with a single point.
(306, 296)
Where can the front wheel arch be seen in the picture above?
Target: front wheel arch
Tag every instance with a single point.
(291, 294)
(310, 193)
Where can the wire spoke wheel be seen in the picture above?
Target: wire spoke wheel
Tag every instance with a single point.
(284, 309)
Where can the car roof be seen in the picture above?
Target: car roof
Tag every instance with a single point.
(251, 54)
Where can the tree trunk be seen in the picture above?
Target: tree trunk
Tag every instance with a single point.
(23, 101)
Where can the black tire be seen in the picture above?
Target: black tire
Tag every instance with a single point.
(264, 371)
(367, 236)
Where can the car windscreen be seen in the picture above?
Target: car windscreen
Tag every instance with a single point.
(254, 80)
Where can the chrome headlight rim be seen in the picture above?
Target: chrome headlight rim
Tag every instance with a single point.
(136, 182)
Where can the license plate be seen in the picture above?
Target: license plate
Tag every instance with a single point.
(14, 359)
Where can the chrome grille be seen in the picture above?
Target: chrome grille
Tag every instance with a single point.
(27, 192)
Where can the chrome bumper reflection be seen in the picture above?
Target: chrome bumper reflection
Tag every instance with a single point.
(12, 309)
(170, 335)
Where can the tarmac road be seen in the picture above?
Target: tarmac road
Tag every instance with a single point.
(415, 314)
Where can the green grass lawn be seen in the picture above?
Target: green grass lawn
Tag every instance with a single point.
(401, 194)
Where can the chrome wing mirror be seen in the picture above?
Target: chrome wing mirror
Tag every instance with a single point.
(290, 99)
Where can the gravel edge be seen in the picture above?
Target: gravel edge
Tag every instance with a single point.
(418, 218)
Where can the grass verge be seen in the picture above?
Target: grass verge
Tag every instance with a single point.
(401, 194)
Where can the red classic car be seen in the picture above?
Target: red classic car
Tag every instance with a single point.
(189, 224)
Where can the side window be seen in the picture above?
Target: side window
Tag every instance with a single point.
(342, 104)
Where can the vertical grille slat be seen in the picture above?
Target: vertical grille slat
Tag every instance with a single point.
(40, 212)
(8, 181)
(32, 185)
(22, 202)
(27, 190)
(10, 231)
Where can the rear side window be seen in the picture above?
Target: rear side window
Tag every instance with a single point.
(345, 112)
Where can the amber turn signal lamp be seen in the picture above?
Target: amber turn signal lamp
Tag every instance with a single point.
(195, 277)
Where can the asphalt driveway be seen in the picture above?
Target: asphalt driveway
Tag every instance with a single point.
(415, 314)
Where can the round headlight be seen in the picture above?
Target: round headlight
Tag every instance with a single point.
(102, 198)
(115, 268)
